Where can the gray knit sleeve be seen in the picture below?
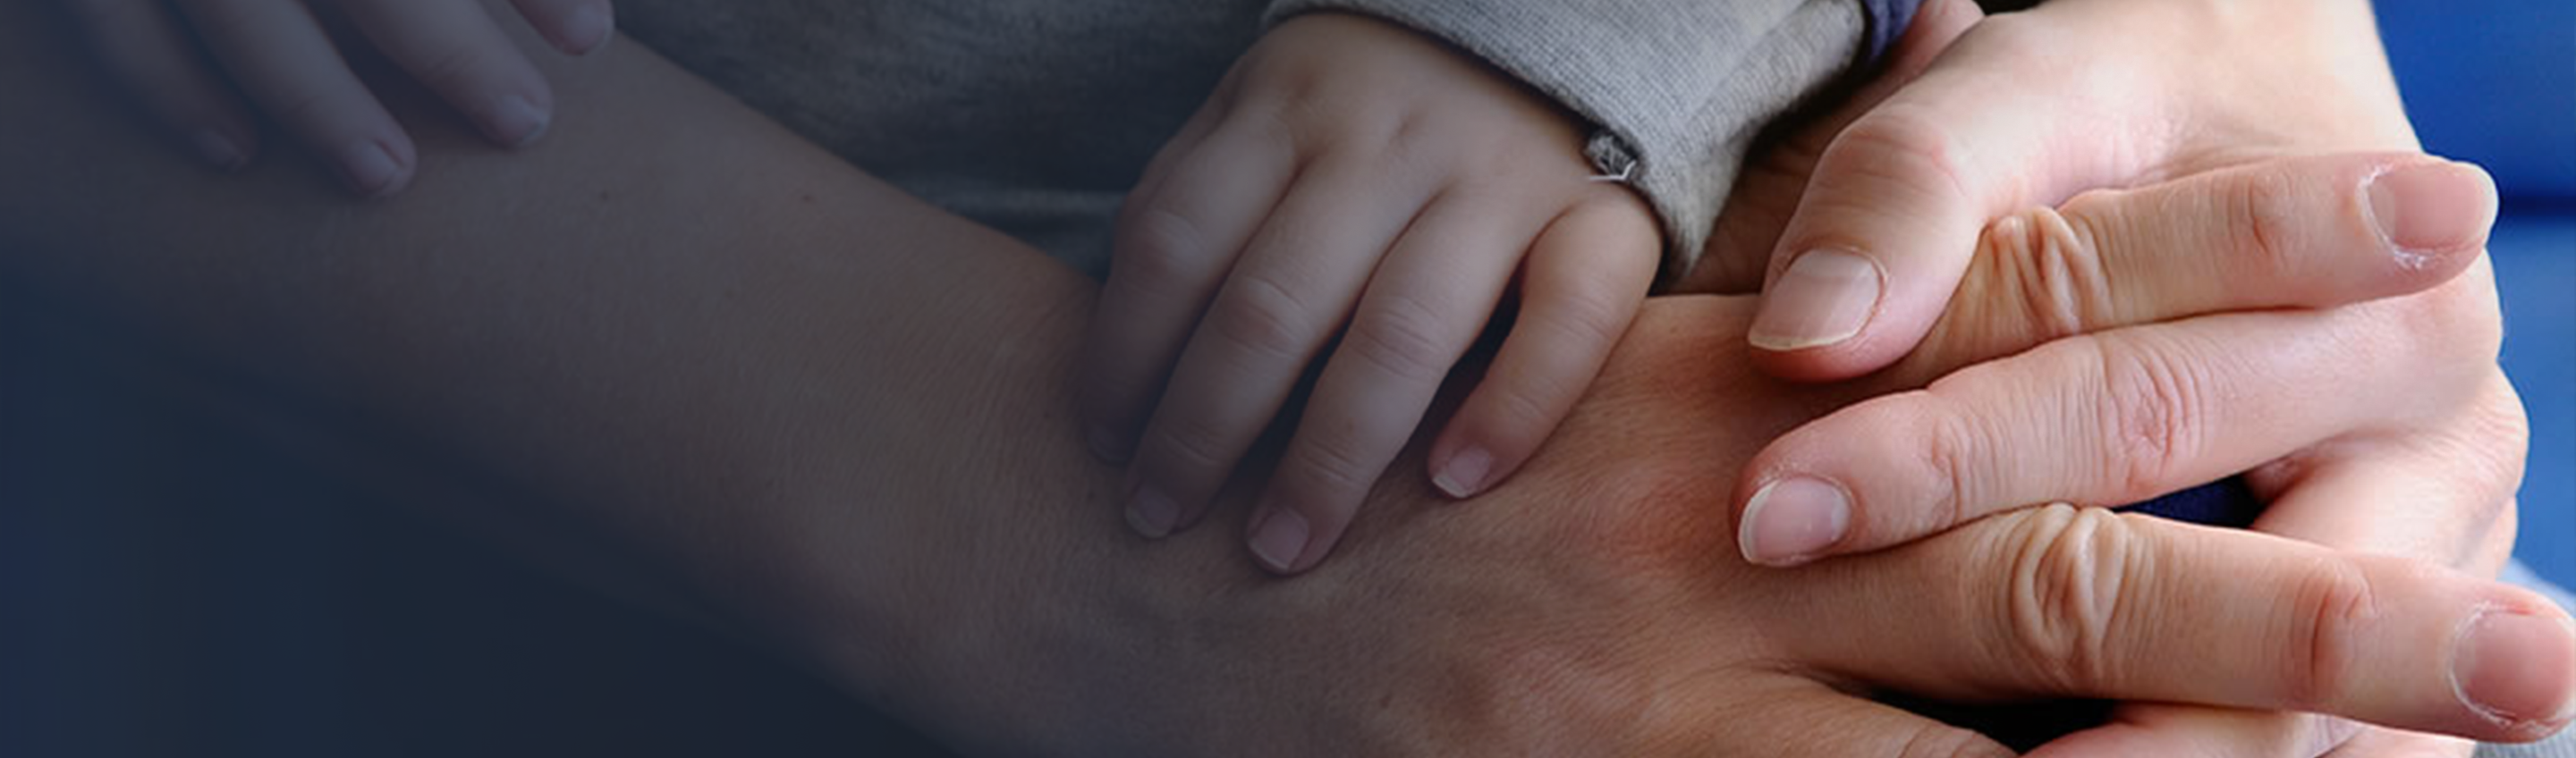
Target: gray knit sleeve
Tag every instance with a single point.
(1676, 89)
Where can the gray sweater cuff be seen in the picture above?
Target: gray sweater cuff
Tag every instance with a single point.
(1679, 88)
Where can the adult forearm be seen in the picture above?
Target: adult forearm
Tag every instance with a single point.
(672, 319)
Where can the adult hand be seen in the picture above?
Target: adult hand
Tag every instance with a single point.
(1591, 606)
(2431, 477)
(192, 63)
(2027, 110)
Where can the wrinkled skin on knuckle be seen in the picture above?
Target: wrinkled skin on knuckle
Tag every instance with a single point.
(1951, 463)
(2332, 602)
(1900, 145)
(2263, 215)
(2152, 411)
(2068, 597)
(2055, 271)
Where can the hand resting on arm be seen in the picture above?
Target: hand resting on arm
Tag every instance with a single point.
(848, 417)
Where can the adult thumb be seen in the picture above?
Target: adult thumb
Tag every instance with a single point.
(1891, 216)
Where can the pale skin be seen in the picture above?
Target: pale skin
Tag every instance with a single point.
(940, 540)
(2341, 469)
(2032, 109)
(1354, 179)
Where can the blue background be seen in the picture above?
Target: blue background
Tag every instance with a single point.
(232, 598)
(2495, 83)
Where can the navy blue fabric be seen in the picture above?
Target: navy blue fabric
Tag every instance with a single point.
(1888, 20)
(2226, 502)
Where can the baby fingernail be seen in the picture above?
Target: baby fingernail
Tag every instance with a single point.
(2430, 208)
(1824, 297)
(2517, 669)
(1791, 520)
(220, 150)
(1152, 513)
(1278, 537)
(370, 169)
(1464, 475)
(516, 121)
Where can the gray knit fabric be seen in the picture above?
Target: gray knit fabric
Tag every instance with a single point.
(1679, 86)
(1036, 116)
(1033, 117)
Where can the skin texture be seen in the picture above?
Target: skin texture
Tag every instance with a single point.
(203, 67)
(1336, 207)
(900, 490)
(2418, 472)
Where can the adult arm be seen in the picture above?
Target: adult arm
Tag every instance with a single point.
(679, 323)
(847, 416)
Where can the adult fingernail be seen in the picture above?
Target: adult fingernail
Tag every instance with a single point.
(587, 29)
(1152, 513)
(219, 150)
(1464, 474)
(2424, 209)
(1824, 297)
(371, 169)
(516, 122)
(1278, 537)
(2517, 669)
(1791, 520)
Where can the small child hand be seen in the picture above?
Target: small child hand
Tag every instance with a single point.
(191, 63)
(1352, 177)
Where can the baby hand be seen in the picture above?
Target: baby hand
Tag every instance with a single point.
(1353, 178)
(191, 63)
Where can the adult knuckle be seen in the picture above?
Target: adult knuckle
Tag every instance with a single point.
(2152, 410)
(2331, 604)
(1908, 144)
(2068, 593)
(2261, 216)
(2055, 269)
(1953, 443)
